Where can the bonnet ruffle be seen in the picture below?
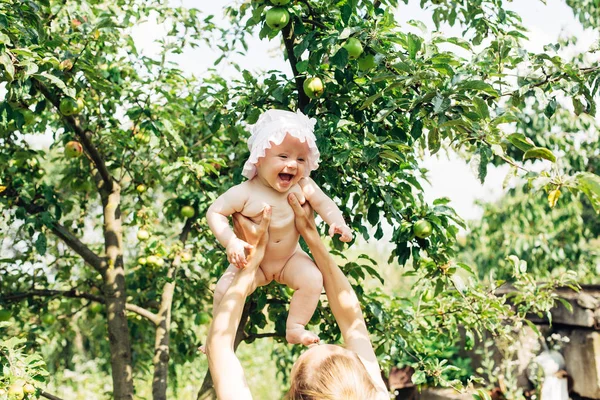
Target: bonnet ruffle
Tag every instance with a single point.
(272, 127)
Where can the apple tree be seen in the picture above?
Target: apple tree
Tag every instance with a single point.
(110, 159)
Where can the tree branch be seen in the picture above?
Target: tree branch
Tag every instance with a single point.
(49, 396)
(76, 294)
(288, 40)
(314, 22)
(83, 135)
(262, 335)
(66, 236)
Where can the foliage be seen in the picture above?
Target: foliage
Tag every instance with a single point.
(18, 368)
(72, 221)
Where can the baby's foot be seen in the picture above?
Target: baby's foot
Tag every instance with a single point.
(202, 348)
(300, 335)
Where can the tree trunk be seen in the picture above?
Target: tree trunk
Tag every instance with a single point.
(162, 336)
(115, 295)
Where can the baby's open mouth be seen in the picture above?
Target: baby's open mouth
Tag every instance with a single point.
(286, 177)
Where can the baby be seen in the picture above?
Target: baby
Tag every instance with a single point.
(283, 152)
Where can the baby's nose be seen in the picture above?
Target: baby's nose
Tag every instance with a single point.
(291, 164)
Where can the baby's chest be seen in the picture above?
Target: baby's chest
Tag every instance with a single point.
(281, 211)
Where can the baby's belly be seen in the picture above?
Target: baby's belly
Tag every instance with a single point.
(279, 250)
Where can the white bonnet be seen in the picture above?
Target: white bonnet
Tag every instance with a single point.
(272, 127)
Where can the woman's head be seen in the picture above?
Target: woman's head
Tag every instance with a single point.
(275, 126)
(329, 372)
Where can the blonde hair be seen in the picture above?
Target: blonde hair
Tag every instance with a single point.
(338, 376)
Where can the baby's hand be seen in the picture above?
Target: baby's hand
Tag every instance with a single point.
(236, 254)
(343, 230)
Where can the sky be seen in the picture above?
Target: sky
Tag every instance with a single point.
(449, 176)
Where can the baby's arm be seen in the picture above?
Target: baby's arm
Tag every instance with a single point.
(327, 209)
(218, 214)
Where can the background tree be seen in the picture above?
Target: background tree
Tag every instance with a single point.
(111, 212)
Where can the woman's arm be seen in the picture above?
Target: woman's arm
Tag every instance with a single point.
(225, 368)
(342, 299)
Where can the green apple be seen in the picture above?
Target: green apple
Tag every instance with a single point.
(422, 228)
(186, 256)
(73, 149)
(142, 260)
(366, 62)
(203, 318)
(96, 307)
(313, 87)
(70, 106)
(187, 211)
(277, 18)
(5, 315)
(28, 388)
(354, 48)
(280, 2)
(143, 234)
(48, 319)
(15, 392)
(141, 188)
(142, 137)
(155, 261)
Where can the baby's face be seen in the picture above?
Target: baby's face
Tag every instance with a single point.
(283, 165)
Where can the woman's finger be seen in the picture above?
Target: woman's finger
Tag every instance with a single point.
(295, 204)
(264, 224)
(243, 227)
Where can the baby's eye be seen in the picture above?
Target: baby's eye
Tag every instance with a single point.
(283, 156)
(301, 159)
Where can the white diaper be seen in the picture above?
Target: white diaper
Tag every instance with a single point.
(271, 127)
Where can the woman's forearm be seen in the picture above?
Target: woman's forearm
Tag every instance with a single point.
(223, 363)
(342, 300)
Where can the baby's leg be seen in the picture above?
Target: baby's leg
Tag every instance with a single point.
(301, 274)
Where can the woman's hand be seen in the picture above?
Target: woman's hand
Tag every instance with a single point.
(256, 235)
(305, 216)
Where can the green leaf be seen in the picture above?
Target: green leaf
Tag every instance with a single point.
(414, 45)
(479, 162)
(419, 377)
(433, 140)
(565, 303)
(370, 100)
(539, 152)
(302, 66)
(578, 106)
(8, 65)
(481, 107)
(373, 214)
(478, 85)
(550, 108)
(417, 129)
(340, 59)
(532, 326)
(41, 244)
(53, 79)
(589, 184)
(520, 141)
